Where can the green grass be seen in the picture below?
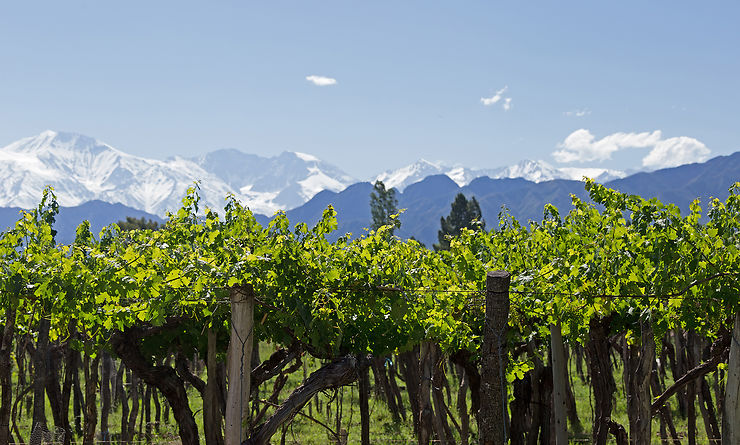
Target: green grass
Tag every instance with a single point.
(344, 402)
(584, 398)
(325, 407)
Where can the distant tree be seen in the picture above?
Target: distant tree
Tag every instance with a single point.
(383, 204)
(132, 223)
(464, 214)
(413, 238)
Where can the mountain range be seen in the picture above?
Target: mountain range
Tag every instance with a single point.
(426, 201)
(535, 171)
(82, 169)
(97, 182)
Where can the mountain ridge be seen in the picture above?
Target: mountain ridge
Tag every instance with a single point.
(427, 201)
(83, 168)
(535, 171)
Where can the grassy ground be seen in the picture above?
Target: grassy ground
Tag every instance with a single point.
(584, 400)
(343, 404)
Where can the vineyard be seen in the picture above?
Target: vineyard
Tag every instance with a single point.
(239, 331)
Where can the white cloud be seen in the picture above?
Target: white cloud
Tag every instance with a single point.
(507, 104)
(577, 113)
(487, 101)
(321, 81)
(582, 146)
(676, 151)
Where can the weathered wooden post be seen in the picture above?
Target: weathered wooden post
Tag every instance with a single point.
(731, 417)
(364, 388)
(426, 413)
(559, 382)
(239, 364)
(211, 416)
(492, 414)
(638, 370)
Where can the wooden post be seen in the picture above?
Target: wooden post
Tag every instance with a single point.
(602, 378)
(239, 364)
(731, 417)
(492, 414)
(426, 413)
(211, 415)
(364, 388)
(559, 382)
(638, 368)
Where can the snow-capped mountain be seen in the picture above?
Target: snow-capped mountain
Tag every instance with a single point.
(284, 181)
(82, 169)
(540, 171)
(409, 174)
(535, 171)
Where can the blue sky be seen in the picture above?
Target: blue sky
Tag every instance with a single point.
(610, 84)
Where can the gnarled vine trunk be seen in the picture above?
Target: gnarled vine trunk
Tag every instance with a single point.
(53, 390)
(395, 391)
(666, 418)
(442, 428)
(602, 379)
(105, 395)
(131, 428)
(69, 368)
(78, 399)
(410, 372)
(164, 378)
(462, 406)
(381, 377)
(339, 372)
(6, 385)
(559, 384)
(91, 411)
(40, 365)
(638, 367)
(426, 413)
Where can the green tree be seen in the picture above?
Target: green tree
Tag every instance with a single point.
(464, 214)
(132, 223)
(383, 205)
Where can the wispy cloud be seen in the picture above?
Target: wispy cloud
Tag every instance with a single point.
(488, 101)
(577, 113)
(496, 98)
(582, 146)
(321, 81)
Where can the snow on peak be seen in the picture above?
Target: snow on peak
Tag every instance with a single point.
(535, 171)
(318, 181)
(409, 174)
(596, 173)
(306, 157)
(81, 168)
(56, 142)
